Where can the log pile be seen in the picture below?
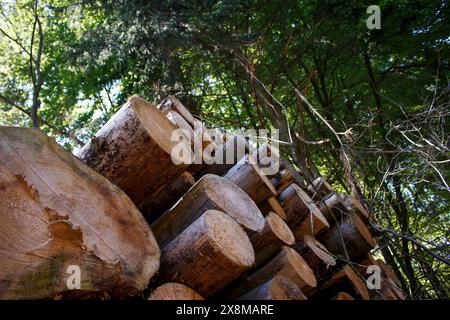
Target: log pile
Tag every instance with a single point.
(136, 220)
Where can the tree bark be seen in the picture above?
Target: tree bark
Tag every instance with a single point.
(317, 256)
(133, 150)
(167, 196)
(277, 288)
(248, 176)
(57, 212)
(174, 291)
(210, 192)
(212, 252)
(303, 216)
(271, 239)
(287, 263)
(352, 233)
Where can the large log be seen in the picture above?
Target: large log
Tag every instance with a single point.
(133, 150)
(277, 288)
(351, 235)
(212, 252)
(272, 205)
(271, 239)
(302, 214)
(316, 255)
(287, 263)
(344, 280)
(167, 196)
(247, 175)
(56, 212)
(174, 291)
(210, 192)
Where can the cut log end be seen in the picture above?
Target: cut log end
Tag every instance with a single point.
(280, 229)
(302, 268)
(319, 249)
(230, 238)
(174, 291)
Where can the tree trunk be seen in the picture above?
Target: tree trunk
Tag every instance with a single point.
(174, 291)
(58, 213)
(133, 150)
(317, 257)
(210, 192)
(271, 239)
(167, 196)
(213, 251)
(287, 263)
(248, 176)
(272, 205)
(277, 288)
(351, 233)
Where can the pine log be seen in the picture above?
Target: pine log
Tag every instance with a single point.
(302, 214)
(355, 237)
(352, 204)
(345, 280)
(271, 239)
(272, 205)
(333, 207)
(174, 291)
(56, 212)
(287, 263)
(233, 151)
(210, 192)
(317, 257)
(133, 150)
(212, 252)
(342, 296)
(277, 288)
(248, 176)
(167, 196)
(319, 188)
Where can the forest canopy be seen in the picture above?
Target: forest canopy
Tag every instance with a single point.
(366, 109)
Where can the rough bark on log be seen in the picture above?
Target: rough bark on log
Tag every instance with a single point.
(248, 176)
(344, 280)
(303, 216)
(277, 288)
(354, 205)
(267, 158)
(167, 196)
(210, 192)
(174, 291)
(316, 255)
(56, 212)
(356, 239)
(271, 239)
(333, 207)
(212, 252)
(272, 205)
(319, 188)
(133, 150)
(287, 263)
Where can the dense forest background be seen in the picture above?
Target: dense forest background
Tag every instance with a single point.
(366, 109)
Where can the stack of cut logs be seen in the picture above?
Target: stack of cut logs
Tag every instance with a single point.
(124, 219)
